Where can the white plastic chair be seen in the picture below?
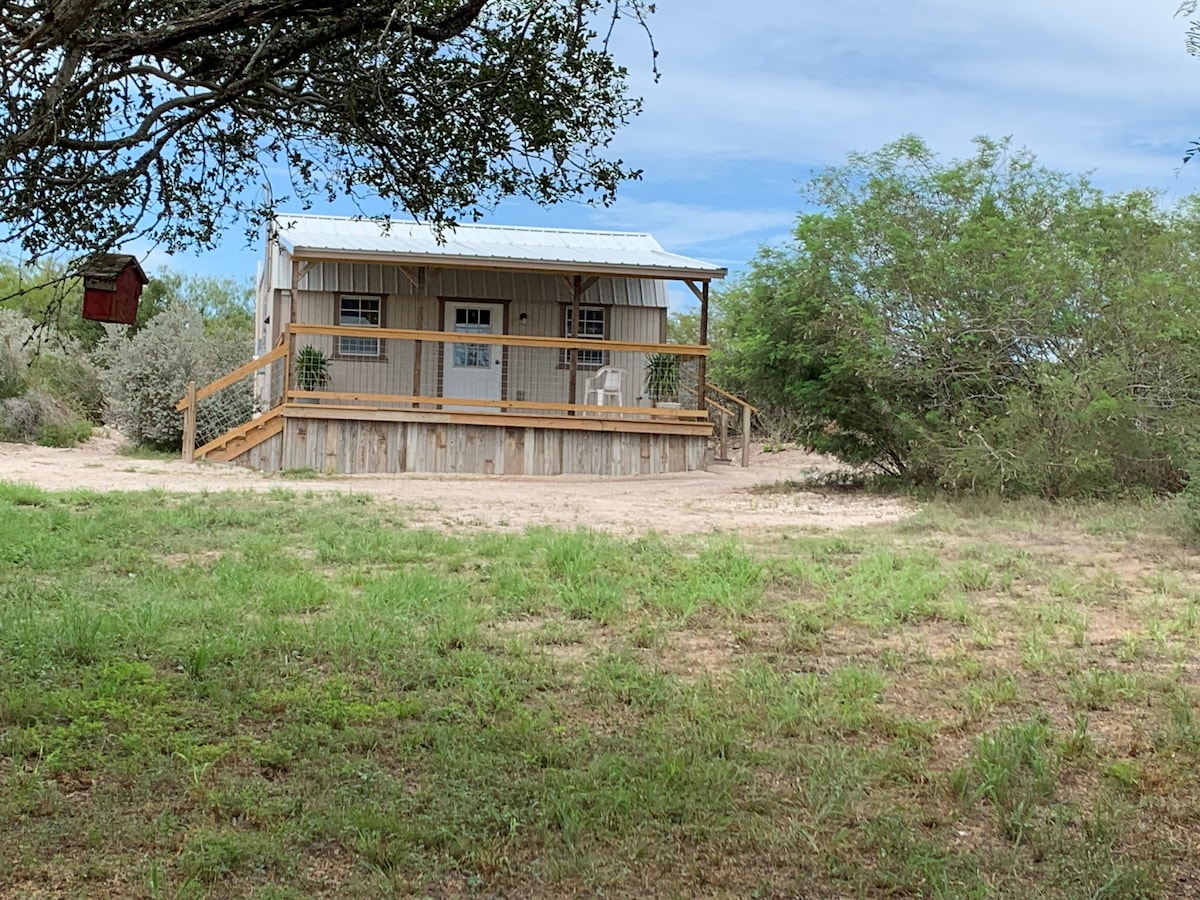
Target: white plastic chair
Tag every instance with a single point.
(607, 384)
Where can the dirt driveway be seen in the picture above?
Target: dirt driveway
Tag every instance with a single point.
(723, 499)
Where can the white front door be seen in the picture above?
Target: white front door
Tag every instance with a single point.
(473, 371)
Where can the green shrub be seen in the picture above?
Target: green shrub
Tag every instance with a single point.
(37, 401)
(15, 330)
(74, 378)
(979, 325)
(19, 418)
(146, 375)
(36, 416)
(55, 435)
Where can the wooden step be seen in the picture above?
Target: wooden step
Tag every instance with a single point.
(243, 443)
(245, 437)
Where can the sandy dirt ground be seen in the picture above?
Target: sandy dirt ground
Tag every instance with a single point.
(726, 498)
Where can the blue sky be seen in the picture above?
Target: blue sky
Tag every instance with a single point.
(757, 96)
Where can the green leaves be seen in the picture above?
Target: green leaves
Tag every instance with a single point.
(159, 119)
(983, 323)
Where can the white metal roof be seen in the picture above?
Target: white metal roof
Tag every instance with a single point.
(487, 246)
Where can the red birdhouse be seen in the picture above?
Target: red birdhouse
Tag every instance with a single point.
(112, 285)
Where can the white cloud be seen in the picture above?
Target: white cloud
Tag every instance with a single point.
(754, 96)
(1100, 85)
(682, 226)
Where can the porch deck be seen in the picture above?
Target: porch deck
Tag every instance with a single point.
(406, 407)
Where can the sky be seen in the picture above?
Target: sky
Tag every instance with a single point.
(756, 97)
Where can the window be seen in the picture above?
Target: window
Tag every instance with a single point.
(360, 312)
(471, 320)
(592, 322)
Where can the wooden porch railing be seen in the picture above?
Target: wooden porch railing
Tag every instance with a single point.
(190, 403)
(534, 377)
(747, 415)
(540, 374)
(512, 340)
(720, 412)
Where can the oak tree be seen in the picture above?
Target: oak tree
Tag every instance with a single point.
(161, 118)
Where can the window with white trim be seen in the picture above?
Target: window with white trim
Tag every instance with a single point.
(593, 321)
(360, 312)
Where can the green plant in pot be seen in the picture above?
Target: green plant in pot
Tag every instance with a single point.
(662, 378)
(312, 369)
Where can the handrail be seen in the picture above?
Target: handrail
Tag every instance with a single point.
(720, 406)
(747, 414)
(748, 410)
(511, 340)
(190, 403)
(729, 396)
(236, 375)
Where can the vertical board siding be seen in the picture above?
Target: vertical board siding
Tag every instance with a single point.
(359, 447)
(265, 457)
(531, 374)
(478, 284)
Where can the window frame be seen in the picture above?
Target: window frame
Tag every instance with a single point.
(471, 348)
(380, 354)
(564, 356)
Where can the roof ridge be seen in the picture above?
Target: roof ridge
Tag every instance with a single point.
(492, 226)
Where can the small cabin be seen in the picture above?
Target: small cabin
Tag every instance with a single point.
(112, 286)
(491, 350)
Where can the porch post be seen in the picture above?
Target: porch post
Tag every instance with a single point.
(285, 337)
(576, 294)
(189, 425)
(290, 337)
(422, 295)
(701, 387)
(745, 435)
(295, 289)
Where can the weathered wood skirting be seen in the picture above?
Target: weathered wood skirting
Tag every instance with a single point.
(325, 441)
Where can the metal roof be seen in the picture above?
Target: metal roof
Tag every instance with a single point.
(487, 246)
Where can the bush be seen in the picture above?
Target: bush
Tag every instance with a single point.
(48, 388)
(73, 378)
(74, 432)
(20, 418)
(15, 330)
(36, 416)
(146, 375)
(982, 325)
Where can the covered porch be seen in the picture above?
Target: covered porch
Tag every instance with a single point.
(266, 416)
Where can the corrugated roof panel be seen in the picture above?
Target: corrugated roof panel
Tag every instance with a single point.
(489, 245)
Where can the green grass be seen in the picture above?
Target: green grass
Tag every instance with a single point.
(301, 473)
(295, 696)
(143, 451)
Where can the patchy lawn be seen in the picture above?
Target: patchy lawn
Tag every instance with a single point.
(298, 696)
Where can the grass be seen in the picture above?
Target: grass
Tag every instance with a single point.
(295, 696)
(145, 451)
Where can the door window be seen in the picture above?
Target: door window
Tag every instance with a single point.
(471, 320)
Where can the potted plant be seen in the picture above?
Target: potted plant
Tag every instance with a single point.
(312, 369)
(662, 379)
